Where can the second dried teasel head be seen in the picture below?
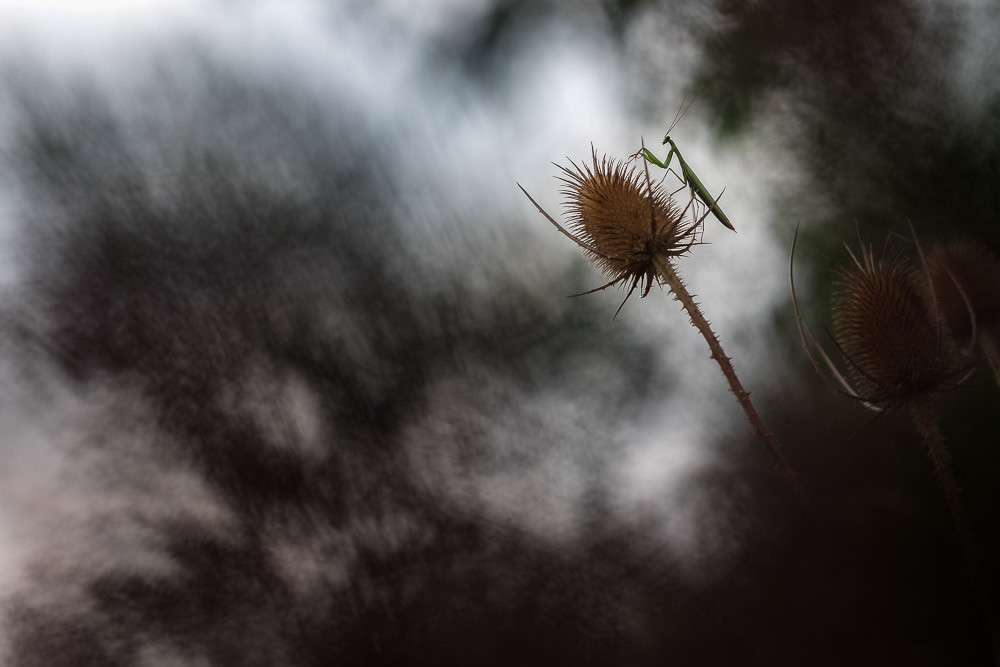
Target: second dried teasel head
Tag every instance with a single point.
(888, 333)
(890, 338)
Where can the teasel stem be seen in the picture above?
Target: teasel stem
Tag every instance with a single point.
(669, 275)
(926, 422)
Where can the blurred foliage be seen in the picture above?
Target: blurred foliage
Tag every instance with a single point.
(870, 103)
(876, 102)
(170, 257)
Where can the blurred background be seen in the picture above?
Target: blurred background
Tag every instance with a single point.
(290, 378)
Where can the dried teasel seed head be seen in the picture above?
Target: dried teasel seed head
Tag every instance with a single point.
(626, 219)
(966, 280)
(887, 333)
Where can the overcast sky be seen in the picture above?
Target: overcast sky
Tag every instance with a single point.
(459, 150)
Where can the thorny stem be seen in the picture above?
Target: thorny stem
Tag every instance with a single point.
(771, 443)
(923, 416)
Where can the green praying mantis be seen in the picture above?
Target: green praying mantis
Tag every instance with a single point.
(687, 175)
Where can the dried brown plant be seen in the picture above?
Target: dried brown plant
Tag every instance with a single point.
(888, 333)
(622, 223)
(888, 320)
(632, 230)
